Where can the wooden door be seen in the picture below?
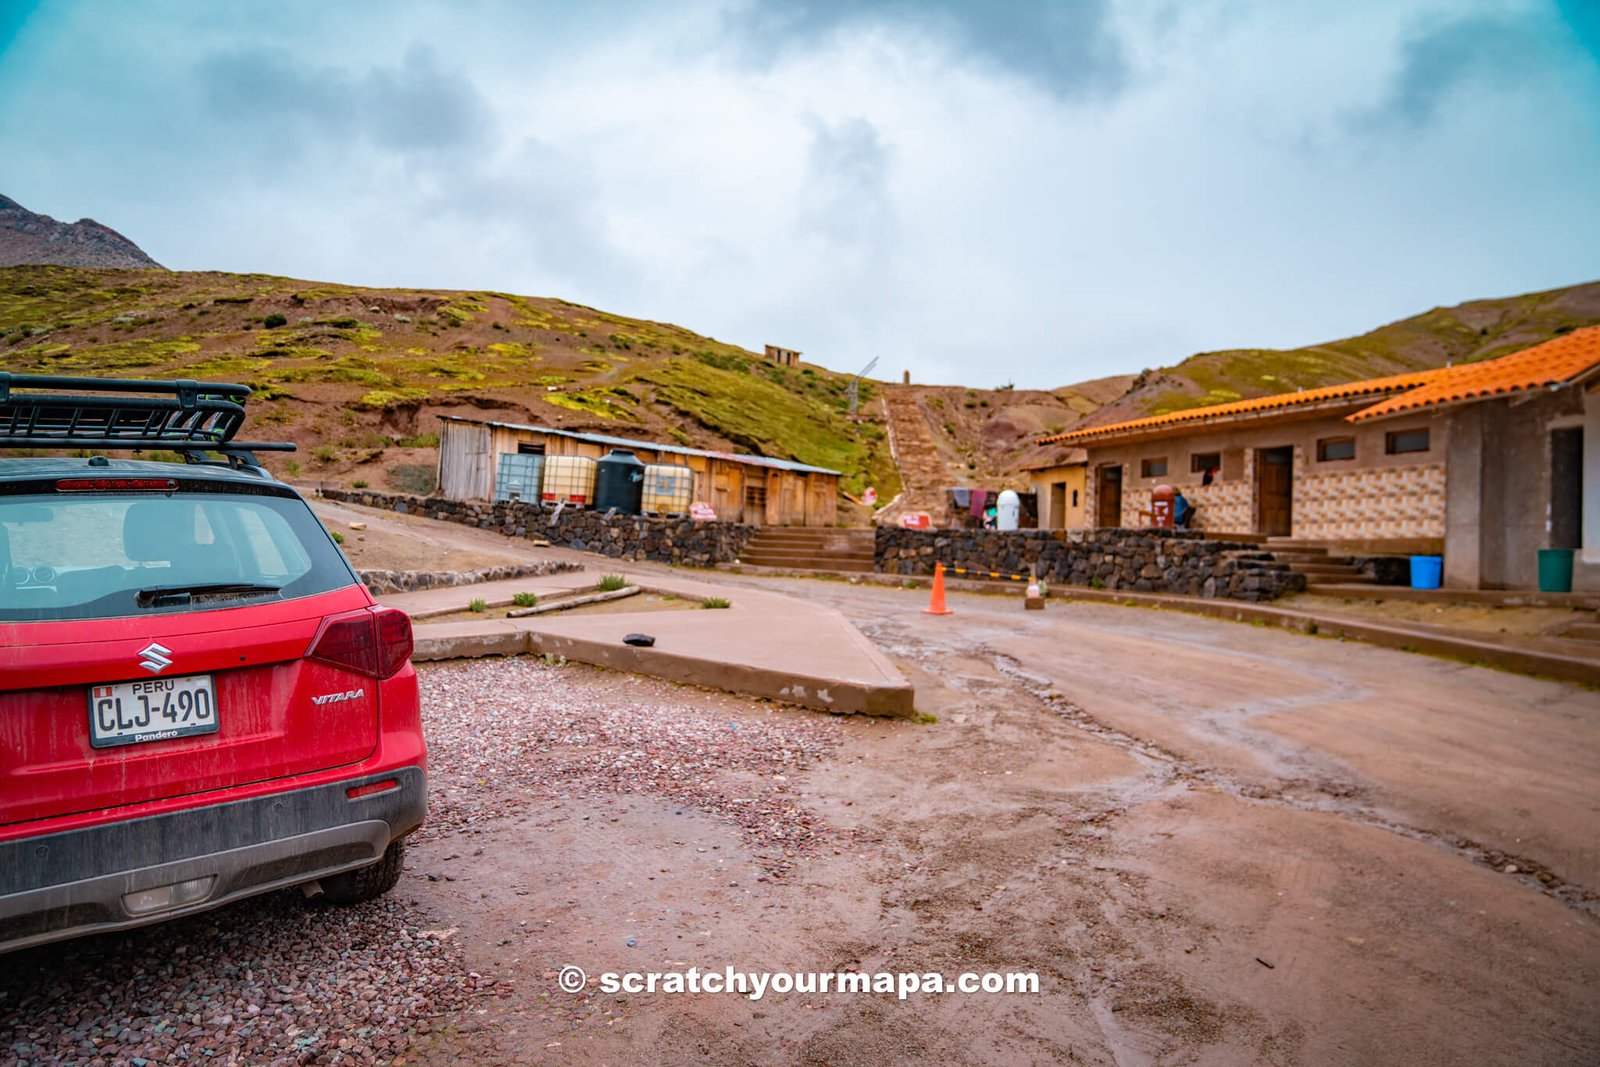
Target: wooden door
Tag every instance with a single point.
(775, 493)
(1275, 486)
(755, 496)
(1058, 506)
(725, 492)
(1108, 501)
(794, 500)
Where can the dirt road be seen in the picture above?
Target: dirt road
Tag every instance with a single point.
(1214, 843)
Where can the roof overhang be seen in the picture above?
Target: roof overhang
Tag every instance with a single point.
(1252, 419)
(1587, 379)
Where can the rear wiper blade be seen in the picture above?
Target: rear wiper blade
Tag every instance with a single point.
(183, 594)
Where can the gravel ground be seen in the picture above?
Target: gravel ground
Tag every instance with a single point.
(278, 980)
(273, 980)
(508, 733)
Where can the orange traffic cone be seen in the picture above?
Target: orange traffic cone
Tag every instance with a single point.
(936, 602)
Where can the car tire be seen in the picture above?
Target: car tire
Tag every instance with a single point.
(369, 882)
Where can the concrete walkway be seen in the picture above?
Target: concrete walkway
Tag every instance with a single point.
(765, 644)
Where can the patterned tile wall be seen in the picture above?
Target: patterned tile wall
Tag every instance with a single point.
(1370, 504)
(1226, 505)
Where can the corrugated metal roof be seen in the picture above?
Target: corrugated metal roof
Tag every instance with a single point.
(654, 446)
(1260, 404)
(1555, 362)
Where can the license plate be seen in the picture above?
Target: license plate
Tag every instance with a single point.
(154, 710)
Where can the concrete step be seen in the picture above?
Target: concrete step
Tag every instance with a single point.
(1338, 586)
(1299, 560)
(1319, 568)
(815, 537)
(791, 554)
(809, 563)
(1583, 631)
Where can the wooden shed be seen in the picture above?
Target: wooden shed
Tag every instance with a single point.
(753, 489)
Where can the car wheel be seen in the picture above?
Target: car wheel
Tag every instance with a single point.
(367, 883)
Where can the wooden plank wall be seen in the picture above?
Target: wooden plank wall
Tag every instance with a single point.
(468, 455)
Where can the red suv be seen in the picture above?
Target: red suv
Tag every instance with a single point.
(199, 700)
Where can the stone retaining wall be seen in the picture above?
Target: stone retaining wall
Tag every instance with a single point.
(1147, 561)
(626, 537)
(380, 582)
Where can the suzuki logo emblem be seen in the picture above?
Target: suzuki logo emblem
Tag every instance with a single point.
(154, 658)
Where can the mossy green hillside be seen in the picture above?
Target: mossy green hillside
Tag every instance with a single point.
(749, 406)
(1465, 333)
(326, 357)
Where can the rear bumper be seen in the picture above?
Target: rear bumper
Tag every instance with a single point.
(63, 885)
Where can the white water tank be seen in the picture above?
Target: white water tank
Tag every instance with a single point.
(1008, 511)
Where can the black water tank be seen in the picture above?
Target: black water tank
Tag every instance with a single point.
(619, 482)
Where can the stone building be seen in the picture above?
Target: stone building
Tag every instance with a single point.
(1485, 463)
(783, 357)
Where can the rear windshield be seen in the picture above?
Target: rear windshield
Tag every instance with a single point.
(107, 555)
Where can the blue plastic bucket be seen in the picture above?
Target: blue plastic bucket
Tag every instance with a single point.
(1426, 571)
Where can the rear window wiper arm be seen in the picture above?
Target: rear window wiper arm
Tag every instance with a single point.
(182, 594)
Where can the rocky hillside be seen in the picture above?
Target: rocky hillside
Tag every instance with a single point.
(357, 377)
(1478, 329)
(39, 239)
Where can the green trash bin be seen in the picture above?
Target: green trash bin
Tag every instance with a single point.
(1555, 570)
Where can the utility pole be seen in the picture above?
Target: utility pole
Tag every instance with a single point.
(855, 386)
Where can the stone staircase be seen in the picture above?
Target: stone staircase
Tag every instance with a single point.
(1314, 561)
(1584, 631)
(802, 548)
(922, 468)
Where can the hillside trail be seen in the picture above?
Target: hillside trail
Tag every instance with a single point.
(923, 469)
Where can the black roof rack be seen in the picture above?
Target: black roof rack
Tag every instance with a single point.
(183, 416)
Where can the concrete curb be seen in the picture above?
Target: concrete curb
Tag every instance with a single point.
(468, 640)
(822, 694)
(1511, 598)
(1452, 644)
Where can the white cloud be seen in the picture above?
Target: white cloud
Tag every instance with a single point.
(956, 197)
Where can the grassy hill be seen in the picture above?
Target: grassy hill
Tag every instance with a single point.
(1478, 329)
(357, 376)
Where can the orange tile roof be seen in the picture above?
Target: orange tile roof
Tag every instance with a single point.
(1349, 390)
(1552, 363)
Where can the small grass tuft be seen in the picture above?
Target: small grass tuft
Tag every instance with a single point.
(525, 600)
(611, 582)
(716, 602)
(478, 604)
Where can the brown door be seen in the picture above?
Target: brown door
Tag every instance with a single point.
(1276, 487)
(1109, 500)
(1058, 505)
(755, 496)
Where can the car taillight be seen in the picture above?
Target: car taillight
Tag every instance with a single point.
(374, 641)
(394, 640)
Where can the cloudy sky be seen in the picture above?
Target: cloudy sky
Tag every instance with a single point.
(1036, 191)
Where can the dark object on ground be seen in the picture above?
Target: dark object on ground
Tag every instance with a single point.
(641, 640)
